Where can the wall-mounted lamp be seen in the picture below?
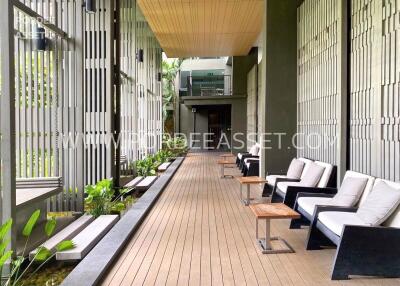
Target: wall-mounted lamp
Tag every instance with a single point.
(159, 76)
(39, 39)
(90, 6)
(139, 56)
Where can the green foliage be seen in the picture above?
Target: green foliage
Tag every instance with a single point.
(102, 199)
(170, 71)
(65, 245)
(42, 255)
(177, 146)
(27, 231)
(148, 166)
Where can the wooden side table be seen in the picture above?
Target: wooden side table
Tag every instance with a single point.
(269, 212)
(227, 156)
(224, 163)
(248, 181)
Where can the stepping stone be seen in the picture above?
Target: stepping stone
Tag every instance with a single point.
(133, 183)
(88, 238)
(146, 183)
(67, 233)
(163, 167)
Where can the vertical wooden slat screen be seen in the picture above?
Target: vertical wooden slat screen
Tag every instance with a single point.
(149, 90)
(362, 89)
(252, 98)
(375, 104)
(389, 118)
(128, 82)
(318, 80)
(99, 92)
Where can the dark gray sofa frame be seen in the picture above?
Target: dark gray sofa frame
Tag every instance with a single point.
(290, 197)
(361, 250)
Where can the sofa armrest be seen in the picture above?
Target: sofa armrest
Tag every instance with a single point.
(292, 191)
(367, 251)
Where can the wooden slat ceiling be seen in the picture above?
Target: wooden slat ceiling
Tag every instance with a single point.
(204, 28)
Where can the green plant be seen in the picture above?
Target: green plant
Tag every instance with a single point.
(147, 166)
(177, 146)
(42, 255)
(102, 199)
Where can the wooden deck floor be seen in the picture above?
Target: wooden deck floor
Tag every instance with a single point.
(199, 233)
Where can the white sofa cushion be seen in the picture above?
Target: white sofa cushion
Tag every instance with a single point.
(313, 175)
(295, 169)
(240, 156)
(394, 219)
(350, 192)
(335, 221)
(380, 204)
(254, 150)
(306, 166)
(309, 203)
(326, 175)
(248, 165)
(271, 179)
(368, 187)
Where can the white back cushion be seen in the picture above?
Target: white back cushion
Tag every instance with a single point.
(394, 219)
(350, 191)
(368, 187)
(313, 175)
(306, 165)
(254, 150)
(323, 182)
(295, 169)
(380, 204)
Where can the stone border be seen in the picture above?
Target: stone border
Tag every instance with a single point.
(96, 264)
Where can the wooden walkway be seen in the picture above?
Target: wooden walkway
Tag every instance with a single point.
(199, 233)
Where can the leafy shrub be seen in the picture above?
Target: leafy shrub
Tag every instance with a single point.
(101, 199)
(177, 146)
(42, 255)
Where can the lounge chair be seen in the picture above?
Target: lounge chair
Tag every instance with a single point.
(318, 174)
(295, 172)
(354, 187)
(366, 238)
(254, 152)
(251, 167)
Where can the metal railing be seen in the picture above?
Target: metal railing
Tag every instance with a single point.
(209, 85)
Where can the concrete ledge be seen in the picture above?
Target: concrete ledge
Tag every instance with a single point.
(96, 264)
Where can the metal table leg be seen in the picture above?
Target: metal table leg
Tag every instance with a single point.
(247, 200)
(265, 243)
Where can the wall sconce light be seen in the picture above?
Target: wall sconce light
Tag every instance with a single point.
(139, 56)
(159, 76)
(90, 6)
(39, 39)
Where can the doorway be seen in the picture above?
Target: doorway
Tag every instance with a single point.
(219, 127)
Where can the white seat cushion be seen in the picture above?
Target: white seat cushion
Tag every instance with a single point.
(306, 165)
(240, 156)
(350, 192)
(380, 204)
(250, 159)
(248, 165)
(309, 203)
(282, 186)
(295, 169)
(271, 179)
(335, 221)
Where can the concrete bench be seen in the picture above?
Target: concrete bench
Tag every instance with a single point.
(65, 234)
(146, 183)
(133, 183)
(163, 167)
(88, 238)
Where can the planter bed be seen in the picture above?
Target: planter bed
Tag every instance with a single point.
(98, 261)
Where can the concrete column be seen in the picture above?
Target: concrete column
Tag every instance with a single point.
(278, 110)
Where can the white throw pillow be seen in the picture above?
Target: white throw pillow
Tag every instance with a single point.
(313, 175)
(295, 169)
(350, 192)
(379, 205)
(254, 150)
